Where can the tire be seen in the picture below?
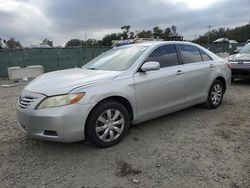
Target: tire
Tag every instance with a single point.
(107, 124)
(215, 95)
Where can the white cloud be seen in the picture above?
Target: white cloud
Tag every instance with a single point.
(23, 21)
(30, 21)
(196, 4)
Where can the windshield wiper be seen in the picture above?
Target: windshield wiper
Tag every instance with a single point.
(92, 68)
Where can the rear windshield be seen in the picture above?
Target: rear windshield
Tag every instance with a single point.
(245, 49)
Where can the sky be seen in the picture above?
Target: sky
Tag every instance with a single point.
(30, 21)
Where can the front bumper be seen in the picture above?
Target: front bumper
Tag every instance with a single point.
(61, 124)
(241, 73)
(240, 70)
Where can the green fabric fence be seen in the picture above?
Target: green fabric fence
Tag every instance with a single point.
(62, 58)
(223, 47)
(50, 58)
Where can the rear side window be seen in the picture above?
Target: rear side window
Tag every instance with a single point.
(189, 54)
(204, 56)
(166, 55)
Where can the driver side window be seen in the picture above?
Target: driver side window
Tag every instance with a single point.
(166, 55)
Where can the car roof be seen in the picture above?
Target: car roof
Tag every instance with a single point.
(156, 43)
(153, 44)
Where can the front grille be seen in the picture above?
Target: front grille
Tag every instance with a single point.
(26, 101)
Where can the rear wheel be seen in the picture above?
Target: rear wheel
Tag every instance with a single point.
(107, 124)
(215, 95)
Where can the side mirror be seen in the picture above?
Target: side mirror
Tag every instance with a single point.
(236, 51)
(150, 66)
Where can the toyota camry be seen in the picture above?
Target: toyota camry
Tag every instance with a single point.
(126, 85)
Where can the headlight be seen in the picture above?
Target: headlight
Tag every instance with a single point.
(60, 100)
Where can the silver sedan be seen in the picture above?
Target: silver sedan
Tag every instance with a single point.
(240, 63)
(126, 85)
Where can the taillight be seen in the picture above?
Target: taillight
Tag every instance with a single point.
(229, 65)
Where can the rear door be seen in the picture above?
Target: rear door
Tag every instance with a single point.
(160, 91)
(197, 67)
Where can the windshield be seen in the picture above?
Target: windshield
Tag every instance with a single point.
(245, 49)
(117, 59)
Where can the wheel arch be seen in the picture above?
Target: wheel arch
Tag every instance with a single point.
(125, 102)
(223, 81)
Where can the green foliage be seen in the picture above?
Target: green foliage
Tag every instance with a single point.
(145, 34)
(13, 43)
(159, 33)
(92, 42)
(78, 43)
(125, 29)
(240, 34)
(156, 33)
(131, 35)
(107, 40)
(73, 43)
(47, 42)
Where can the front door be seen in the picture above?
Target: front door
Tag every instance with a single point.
(161, 91)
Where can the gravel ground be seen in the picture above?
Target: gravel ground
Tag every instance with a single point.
(195, 147)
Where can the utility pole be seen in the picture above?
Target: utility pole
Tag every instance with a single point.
(208, 37)
(86, 39)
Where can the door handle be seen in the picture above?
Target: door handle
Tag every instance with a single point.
(179, 72)
(211, 66)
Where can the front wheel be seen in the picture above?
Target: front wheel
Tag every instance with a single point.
(215, 95)
(108, 123)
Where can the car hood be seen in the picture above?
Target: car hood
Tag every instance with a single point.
(61, 82)
(240, 57)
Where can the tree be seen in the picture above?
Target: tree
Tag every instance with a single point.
(13, 43)
(167, 33)
(131, 35)
(1, 45)
(240, 34)
(47, 42)
(174, 30)
(145, 34)
(157, 32)
(91, 42)
(73, 43)
(107, 40)
(126, 31)
(78, 42)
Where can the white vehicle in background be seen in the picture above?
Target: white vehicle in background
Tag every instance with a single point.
(240, 63)
(224, 40)
(40, 46)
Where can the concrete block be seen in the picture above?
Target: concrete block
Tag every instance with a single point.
(17, 73)
(223, 54)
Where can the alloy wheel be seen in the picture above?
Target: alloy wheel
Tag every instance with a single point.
(216, 94)
(109, 125)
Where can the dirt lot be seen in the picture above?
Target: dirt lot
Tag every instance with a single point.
(195, 147)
